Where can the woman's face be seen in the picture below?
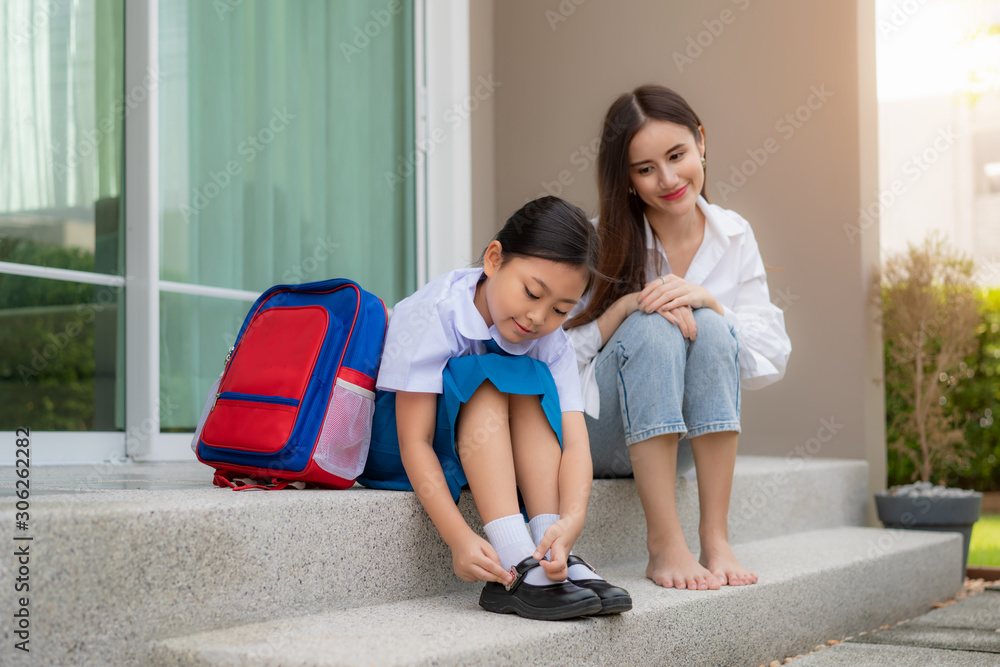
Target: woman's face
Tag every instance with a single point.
(665, 167)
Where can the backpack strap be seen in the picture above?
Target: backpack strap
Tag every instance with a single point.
(236, 482)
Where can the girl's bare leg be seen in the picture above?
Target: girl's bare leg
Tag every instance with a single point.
(482, 437)
(536, 455)
(671, 563)
(715, 460)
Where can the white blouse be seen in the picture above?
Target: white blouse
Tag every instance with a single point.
(440, 321)
(728, 265)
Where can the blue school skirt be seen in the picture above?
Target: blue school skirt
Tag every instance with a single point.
(510, 374)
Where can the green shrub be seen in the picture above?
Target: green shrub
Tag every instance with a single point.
(929, 307)
(47, 345)
(973, 397)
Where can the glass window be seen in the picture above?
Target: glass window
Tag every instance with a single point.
(282, 128)
(61, 134)
(61, 116)
(60, 355)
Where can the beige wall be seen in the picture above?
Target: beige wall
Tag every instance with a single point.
(560, 65)
(482, 128)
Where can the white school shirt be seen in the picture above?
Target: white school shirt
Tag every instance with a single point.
(728, 265)
(440, 321)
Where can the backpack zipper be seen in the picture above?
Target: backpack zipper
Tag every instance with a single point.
(225, 365)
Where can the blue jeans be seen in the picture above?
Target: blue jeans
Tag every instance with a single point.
(654, 381)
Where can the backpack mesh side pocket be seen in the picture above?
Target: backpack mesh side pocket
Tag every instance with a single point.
(342, 449)
(209, 402)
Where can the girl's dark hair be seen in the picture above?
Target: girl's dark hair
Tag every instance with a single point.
(550, 228)
(620, 227)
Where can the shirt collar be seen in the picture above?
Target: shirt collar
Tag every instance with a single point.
(469, 321)
(719, 229)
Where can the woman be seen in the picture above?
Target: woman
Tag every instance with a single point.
(665, 341)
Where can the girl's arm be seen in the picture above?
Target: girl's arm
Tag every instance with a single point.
(589, 338)
(576, 472)
(472, 557)
(612, 318)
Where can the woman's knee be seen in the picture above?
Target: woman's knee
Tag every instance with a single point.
(648, 330)
(715, 330)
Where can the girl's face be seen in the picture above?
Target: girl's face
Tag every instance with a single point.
(527, 297)
(665, 167)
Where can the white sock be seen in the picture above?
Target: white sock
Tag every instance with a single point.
(539, 524)
(509, 537)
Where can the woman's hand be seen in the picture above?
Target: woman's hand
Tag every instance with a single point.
(558, 541)
(683, 317)
(474, 559)
(675, 299)
(672, 292)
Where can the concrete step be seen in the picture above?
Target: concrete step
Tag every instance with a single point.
(142, 552)
(815, 585)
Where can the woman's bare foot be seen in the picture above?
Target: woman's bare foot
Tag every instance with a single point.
(720, 560)
(677, 568)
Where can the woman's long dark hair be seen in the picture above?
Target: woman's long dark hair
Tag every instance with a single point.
(622, 268)
(553, 229)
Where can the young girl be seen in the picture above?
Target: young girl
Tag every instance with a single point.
(479, 382)
(657, 344)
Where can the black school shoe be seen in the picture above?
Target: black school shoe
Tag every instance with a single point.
(614, 600)
(551, 602)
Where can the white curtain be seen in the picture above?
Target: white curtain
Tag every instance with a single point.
(60, 133)
(278, 125)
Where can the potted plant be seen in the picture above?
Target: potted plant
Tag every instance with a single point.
(929, 307)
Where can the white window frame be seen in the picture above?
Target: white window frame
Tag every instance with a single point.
(442, 76)
(443, 219)
(63, 447)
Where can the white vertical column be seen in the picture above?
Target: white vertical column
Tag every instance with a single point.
(448, 143)
(142, 252)
(421, 131)
(872, 386)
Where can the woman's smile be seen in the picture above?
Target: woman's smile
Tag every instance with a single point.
(676, 194)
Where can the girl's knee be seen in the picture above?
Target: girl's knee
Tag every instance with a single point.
(487, 406)
(486, 395)
(523, 403)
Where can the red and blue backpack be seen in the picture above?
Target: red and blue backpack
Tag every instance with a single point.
(295, 400)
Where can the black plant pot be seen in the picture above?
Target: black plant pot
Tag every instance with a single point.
(935, 513)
